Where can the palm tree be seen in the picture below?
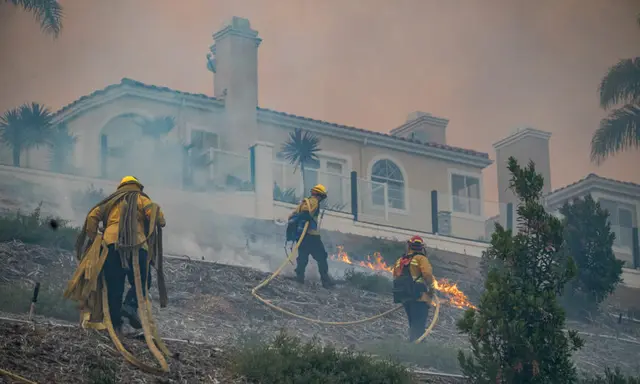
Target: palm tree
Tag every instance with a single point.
(61, 144)
(157, 127)
(47, 12)
(300, 149)
(620, 130)
(25, 127)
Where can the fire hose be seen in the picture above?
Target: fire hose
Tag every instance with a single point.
(289, 259)
(157, 346)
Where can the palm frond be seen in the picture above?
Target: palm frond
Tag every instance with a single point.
(301, 147)
(621, 84)
(618, 132)
(61, 146)
(36, 122)
(158, 126)
(47, 12)
(10, 131)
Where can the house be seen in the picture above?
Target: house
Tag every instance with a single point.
(396, 173)
(621, 199)
(221, 153)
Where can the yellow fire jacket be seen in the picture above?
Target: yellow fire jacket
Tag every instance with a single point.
(111, 231)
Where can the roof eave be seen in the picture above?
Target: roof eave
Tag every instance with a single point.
(115, 91)
(373, 138)
(589, 184)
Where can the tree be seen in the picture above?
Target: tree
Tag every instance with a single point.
(157, 127)
(61, 145)
(25, 127)
(589, 241)
(300, 149)
(47, 12)
(620, 131)
(517, 334)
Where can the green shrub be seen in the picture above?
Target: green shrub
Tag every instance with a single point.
(427, 354)
(51, 303)
(612, 377)
(36, 229)
(517, 334)
(288, 360)
(83, 201)
(368, 281)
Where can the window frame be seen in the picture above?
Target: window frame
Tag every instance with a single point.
(466, 174)
(619, 206)
(405, 185)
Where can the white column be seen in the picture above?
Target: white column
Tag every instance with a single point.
(263, 153)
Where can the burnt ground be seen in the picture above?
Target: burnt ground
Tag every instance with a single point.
(211, 303)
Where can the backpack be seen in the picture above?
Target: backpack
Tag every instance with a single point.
(405, 287)
(295, 226)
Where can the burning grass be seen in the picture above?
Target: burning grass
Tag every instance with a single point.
(376, 283)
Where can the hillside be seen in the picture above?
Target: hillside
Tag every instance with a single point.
(211, 303)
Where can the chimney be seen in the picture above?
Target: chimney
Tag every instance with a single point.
(423, 127)
(524, 144)
(234, 62)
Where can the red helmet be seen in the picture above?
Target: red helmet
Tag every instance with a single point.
(416, 243)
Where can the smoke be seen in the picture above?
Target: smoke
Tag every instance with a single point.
(487, 66)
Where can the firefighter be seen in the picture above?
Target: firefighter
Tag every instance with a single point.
(125, 217)
(413, 286)
(309, 211)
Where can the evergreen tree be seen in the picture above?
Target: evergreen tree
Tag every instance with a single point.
(589, 241)
(517, 334)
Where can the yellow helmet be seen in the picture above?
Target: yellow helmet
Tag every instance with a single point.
(129, 180)
(319, 190)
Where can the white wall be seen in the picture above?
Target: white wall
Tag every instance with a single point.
(243, 204)
(59, 189)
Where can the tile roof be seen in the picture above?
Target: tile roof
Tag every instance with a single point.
(593, 176)
(134, 83)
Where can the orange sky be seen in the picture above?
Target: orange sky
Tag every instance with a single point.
(488, 66)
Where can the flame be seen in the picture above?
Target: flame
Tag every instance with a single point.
(376, 263)
(456, 297)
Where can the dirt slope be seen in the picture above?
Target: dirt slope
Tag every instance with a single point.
(212, 303)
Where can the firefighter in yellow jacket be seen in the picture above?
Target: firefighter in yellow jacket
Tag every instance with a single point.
(413, 286)
(309, 211)
(117, 266)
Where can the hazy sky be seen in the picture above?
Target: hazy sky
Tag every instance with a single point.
(487, 65)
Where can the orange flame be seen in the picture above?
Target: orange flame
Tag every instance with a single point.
(456, 297)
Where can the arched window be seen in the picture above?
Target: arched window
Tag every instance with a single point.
(387, 172)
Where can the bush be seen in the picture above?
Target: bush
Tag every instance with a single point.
(427, 354)
(612, 377)
(368, 281)
(35, 229)
(517, 334)
(589, 241)
(83, 201)
(288, 360)
(17, 299)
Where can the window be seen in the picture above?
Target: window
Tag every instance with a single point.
(465, 191)
(621, 219)
(202, 140)
(387, 172)
(334, 180)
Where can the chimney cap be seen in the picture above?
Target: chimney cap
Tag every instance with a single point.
(238, 26)
(520, 133)
(416, 115)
